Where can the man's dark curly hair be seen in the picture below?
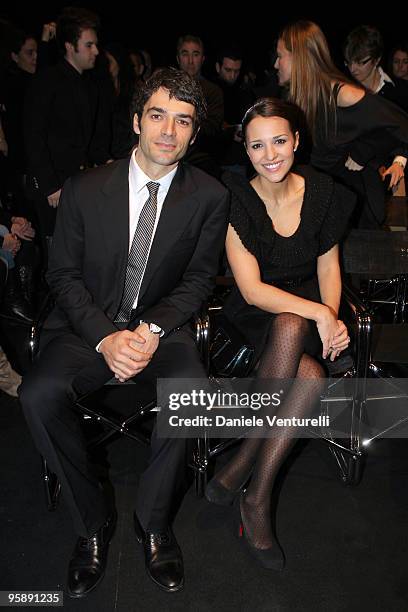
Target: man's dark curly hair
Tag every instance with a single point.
(179, 85)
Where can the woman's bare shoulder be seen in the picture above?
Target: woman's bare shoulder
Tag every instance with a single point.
(349, 94)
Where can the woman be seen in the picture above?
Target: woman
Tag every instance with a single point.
(353, 131)
(282, 249)
(123, 88)
(25, 56)
(363, 50)
(15, 82)
(399, 62)
(138, 63)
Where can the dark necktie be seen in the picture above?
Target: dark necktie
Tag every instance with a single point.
(138, 253)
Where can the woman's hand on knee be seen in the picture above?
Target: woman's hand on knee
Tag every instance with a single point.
(327, 326)
(340, 341)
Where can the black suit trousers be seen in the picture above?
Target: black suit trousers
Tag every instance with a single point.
(66, 369)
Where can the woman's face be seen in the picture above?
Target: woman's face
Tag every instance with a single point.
(400, 65)
(270, 144)
(113, 65)
(26, 58)
(364, 69)
(283, 63)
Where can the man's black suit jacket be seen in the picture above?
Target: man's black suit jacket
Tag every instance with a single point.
(65, 125)
(89, 254)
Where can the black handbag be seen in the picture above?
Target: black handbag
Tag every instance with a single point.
(230, 354)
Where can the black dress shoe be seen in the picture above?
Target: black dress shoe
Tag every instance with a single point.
(87, 566)
(163, 559)
(14, 305)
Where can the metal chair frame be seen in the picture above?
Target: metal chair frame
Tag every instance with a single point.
(348, 453)
(398, 285)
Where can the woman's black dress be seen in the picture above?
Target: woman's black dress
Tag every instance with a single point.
(289, 263)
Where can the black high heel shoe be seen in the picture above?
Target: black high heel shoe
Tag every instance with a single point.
(216, 493)
(270, 558)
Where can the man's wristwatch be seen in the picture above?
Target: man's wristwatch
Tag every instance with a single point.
(153, 328)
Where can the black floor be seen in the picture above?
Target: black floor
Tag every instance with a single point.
(346, 548)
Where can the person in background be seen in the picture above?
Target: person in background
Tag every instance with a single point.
(148, 64)
(3, 141)
(123, 81)
(352, 130)
(268, 85)
(399, 62)
(64, 130)
(237, 99)
(14, 85)
(25, 55)
(363, 50)
(190, 58)
(138, 63)
(19, 252)
(48, 52)
(16, 214)
(10, 380)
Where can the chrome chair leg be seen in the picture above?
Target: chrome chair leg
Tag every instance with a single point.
(201, 457)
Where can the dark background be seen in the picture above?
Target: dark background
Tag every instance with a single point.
(253, 26)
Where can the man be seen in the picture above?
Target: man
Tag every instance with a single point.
(190, 58)
(64, 129)
(135, 251)
(228, 66)
(237, 100)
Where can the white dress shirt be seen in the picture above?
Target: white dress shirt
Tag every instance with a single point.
(138, 195)
(384, 78)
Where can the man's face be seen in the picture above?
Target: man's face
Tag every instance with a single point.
(166, 130)
(84, 55)
(190, 58)
(229, 70)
